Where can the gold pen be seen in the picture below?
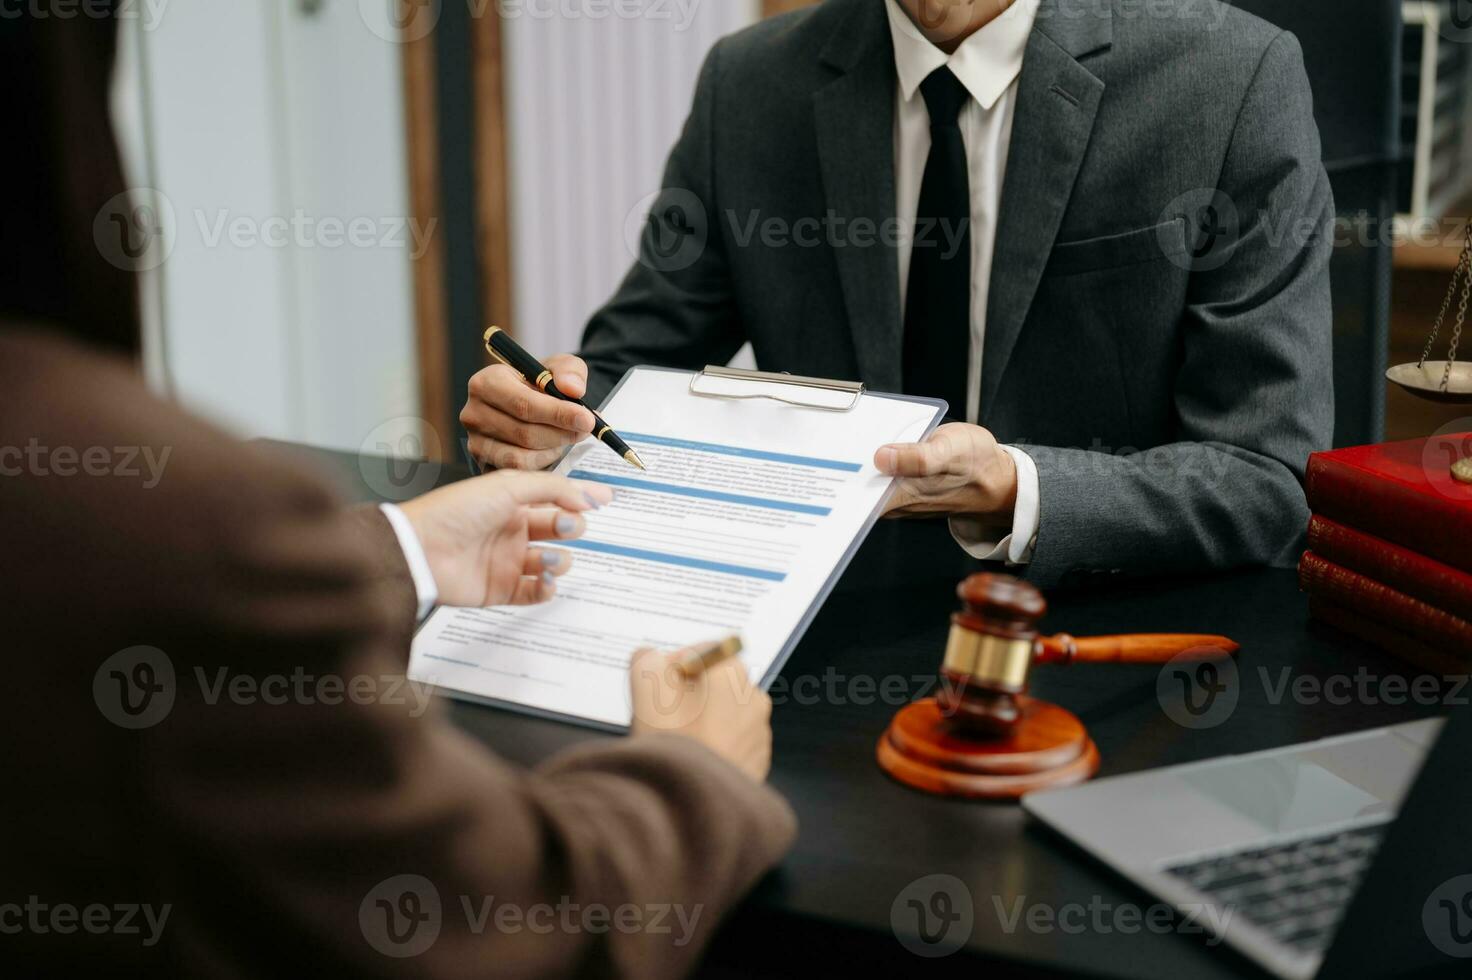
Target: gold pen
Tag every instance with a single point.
(500, 346)
(702, 658)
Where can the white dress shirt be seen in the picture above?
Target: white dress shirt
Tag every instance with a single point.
(987, 64)
(425, 589)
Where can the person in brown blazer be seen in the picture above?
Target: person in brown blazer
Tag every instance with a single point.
(212, 767)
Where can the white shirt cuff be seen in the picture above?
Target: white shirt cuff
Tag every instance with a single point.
(979, 538)
(424, 587)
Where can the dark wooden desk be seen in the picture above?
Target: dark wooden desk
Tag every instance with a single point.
(865, 838)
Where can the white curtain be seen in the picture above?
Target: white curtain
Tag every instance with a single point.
(594, 105)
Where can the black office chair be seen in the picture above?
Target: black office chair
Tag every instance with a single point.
(1352, 50)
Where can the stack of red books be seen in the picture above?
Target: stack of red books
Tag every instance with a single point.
(1390, 548)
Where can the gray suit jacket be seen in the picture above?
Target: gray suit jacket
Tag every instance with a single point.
(1158, 331)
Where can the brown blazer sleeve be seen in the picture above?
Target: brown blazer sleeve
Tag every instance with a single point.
(299, 806)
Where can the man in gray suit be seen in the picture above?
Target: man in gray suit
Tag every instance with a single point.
(1098, 229)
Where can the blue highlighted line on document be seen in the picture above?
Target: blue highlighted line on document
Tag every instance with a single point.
(725, 498)
(669, 559)
(712, 447)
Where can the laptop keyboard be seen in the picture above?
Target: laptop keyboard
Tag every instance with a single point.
(1296, 892)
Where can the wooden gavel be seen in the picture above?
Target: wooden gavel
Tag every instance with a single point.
(994, 644)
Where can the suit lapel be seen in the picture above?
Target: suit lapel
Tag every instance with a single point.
(854, 117)
(1057, 99)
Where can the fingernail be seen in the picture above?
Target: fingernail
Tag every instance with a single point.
(565, 526)
(548, 581)
(552, 559)
(593, 501)
(886, 458)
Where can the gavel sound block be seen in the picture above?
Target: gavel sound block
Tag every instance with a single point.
(982, 736)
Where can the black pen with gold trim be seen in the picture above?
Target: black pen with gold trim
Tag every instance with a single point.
(500, 346)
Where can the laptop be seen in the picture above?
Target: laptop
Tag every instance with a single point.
(1350, 856)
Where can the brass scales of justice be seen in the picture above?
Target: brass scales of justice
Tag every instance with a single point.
(1448, 381)
(1445, 381)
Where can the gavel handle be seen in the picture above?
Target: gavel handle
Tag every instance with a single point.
(1137, 648)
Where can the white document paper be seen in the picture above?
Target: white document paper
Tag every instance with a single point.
(749, 511)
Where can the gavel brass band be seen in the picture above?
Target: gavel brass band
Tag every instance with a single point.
(1004, 661)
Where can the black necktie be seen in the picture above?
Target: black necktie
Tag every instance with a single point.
(937, 349)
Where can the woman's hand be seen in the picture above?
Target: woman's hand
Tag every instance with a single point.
(477, 535)
(720, 709)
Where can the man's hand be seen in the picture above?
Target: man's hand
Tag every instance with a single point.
(960, 469)
(514, 426)
(476, 535)
(720, 709)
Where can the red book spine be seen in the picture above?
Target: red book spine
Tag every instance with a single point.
(1400, 568)
(1377, 601)
(1438, 527)
(1387, 638)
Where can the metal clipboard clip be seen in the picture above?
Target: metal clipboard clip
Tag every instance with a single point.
(789, 389)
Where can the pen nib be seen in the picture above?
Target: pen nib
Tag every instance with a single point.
(633, 458)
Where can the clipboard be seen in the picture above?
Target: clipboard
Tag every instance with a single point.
(740, 384)
(819, 394)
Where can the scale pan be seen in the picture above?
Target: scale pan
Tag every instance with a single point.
(1424, 381)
